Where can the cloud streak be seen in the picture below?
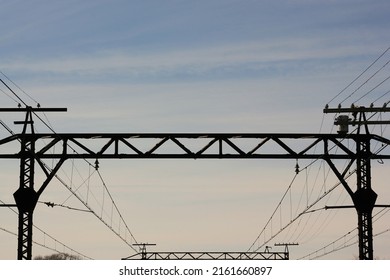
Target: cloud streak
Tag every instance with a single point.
(218, 60)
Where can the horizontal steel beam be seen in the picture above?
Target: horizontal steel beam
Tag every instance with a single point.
(31, 109)
(356, 110)
(210, 256)
(192, 146)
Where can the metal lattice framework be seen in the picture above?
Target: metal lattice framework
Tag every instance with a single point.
(212, 146)
(210, 256)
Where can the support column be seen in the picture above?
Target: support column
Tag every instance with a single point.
(26, 199)
(364, 200)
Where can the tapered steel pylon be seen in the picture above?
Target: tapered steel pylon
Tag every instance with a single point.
(364, 200)
(364, 197)
(26, 197)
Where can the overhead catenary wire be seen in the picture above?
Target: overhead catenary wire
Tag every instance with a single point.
(9, 96)
(69, 187)
(28, 95)
(308, 207)
(361, 74)
(371, 90)
(52, 204)
(42, 231)
(343, 245)
(74, 193)
(383, 146)
(380, 97)
(14, 93)
(278, 206)
(47, 235)
(118, 234)
(365, 82)
(44, 245)
(307, 210)
(328, 217)
(114, 205)
(276, 209)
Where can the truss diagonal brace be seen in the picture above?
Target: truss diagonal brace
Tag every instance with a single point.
(340, 176)
(50, 174)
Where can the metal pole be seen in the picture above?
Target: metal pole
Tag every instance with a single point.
(364, 200)
(26, 197)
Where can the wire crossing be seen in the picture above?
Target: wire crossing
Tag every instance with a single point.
(119, 227)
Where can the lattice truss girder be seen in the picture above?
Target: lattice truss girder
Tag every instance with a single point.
(294, 146)
(210, 256)
(364, 199)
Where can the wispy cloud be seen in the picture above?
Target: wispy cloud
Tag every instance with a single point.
(217, 61)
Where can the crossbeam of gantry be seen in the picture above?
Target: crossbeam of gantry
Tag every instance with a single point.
(193, 145)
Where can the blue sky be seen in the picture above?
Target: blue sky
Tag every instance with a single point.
(189, 66)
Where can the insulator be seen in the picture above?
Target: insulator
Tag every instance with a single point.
(297, 168)
(97, 164)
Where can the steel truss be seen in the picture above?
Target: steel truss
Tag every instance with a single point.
(210, 256)
(213, 146)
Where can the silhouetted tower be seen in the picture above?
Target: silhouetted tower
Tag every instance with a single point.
(364, 197)
(26, 197)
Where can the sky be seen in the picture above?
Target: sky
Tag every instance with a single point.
(192, 66)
